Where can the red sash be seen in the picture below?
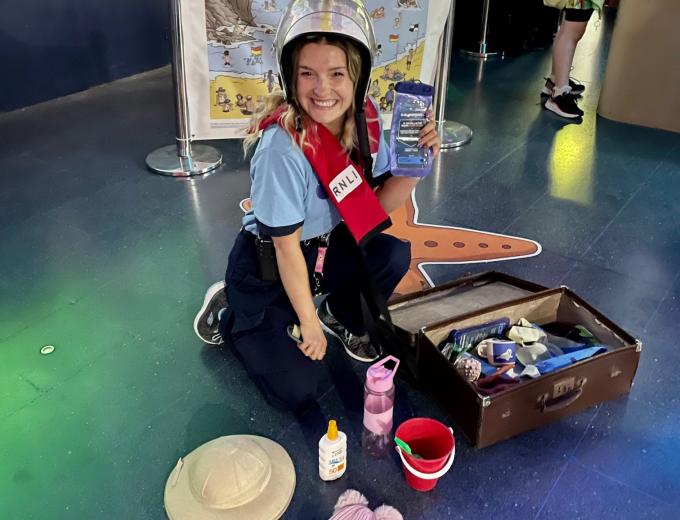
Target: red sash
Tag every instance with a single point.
(342, 178)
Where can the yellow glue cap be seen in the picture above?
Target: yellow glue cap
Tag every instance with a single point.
(332, 432)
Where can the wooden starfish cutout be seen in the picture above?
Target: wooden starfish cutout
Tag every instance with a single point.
(435, 244)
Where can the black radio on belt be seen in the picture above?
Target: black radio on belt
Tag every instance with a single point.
(267, 269)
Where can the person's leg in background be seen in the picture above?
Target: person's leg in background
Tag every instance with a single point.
(562, 98)
(564, 47)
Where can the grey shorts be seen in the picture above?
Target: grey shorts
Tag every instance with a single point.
(577, 15)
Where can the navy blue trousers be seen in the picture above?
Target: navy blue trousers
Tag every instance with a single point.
(260, 312)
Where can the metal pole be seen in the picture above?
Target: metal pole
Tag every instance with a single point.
(452, 133)
(482, 52)
(179, 80)
(182, 159)
(485, 26)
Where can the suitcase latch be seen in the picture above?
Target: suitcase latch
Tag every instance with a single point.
(565, 392)
(563, 386)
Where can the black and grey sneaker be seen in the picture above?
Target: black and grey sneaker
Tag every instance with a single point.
(206, 323)
(357, 347)
(564, 105)
(577, 88)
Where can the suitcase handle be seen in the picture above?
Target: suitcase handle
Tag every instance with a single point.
(552, 405)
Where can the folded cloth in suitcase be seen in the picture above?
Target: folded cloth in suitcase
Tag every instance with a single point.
(552, 364)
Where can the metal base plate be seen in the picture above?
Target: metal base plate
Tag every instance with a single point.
(165, 161)
(453, 134)
(483, 55)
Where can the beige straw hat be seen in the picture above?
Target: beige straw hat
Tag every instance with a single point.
(237, 477)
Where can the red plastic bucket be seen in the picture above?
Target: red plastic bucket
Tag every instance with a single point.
(434, 442)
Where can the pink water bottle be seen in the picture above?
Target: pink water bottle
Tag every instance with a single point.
(376, 437)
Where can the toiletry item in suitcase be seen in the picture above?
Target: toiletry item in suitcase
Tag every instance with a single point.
(463, 340)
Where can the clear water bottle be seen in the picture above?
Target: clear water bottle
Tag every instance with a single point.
(376, 437)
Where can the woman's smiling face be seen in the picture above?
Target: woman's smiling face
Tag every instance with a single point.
(323, 86)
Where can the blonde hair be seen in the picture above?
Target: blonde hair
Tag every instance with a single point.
(294, 118)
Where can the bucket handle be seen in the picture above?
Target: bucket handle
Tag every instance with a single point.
(428, 476)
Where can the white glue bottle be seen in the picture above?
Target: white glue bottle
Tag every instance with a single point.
(332, 453)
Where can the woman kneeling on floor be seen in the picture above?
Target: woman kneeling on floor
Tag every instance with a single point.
(318, 209)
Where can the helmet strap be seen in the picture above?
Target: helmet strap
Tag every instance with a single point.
(364, 145)
(298, 118)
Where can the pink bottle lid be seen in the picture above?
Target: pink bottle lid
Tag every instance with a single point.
(379, 378)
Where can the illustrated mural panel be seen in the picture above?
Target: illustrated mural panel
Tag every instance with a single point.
(237, 38)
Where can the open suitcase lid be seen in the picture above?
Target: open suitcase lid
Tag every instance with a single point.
(414, 311)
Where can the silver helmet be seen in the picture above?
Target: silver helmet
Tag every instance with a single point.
(342, 18)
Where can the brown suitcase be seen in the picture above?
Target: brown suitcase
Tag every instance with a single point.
(422, 322)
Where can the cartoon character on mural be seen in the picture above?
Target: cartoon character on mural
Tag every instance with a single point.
(407, 4)
(409, 57)
(227, 59)
(222, 100)
(378, 13)
(249, 108)
(389, 96)
(387, 73)
(270, 80)
(390, 74)
(375, 89)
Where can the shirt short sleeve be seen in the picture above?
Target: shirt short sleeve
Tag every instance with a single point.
(279, 185)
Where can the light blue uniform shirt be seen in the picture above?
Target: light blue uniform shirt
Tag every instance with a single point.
(285, 192)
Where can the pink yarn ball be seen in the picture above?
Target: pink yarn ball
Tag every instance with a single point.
(352, 505)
